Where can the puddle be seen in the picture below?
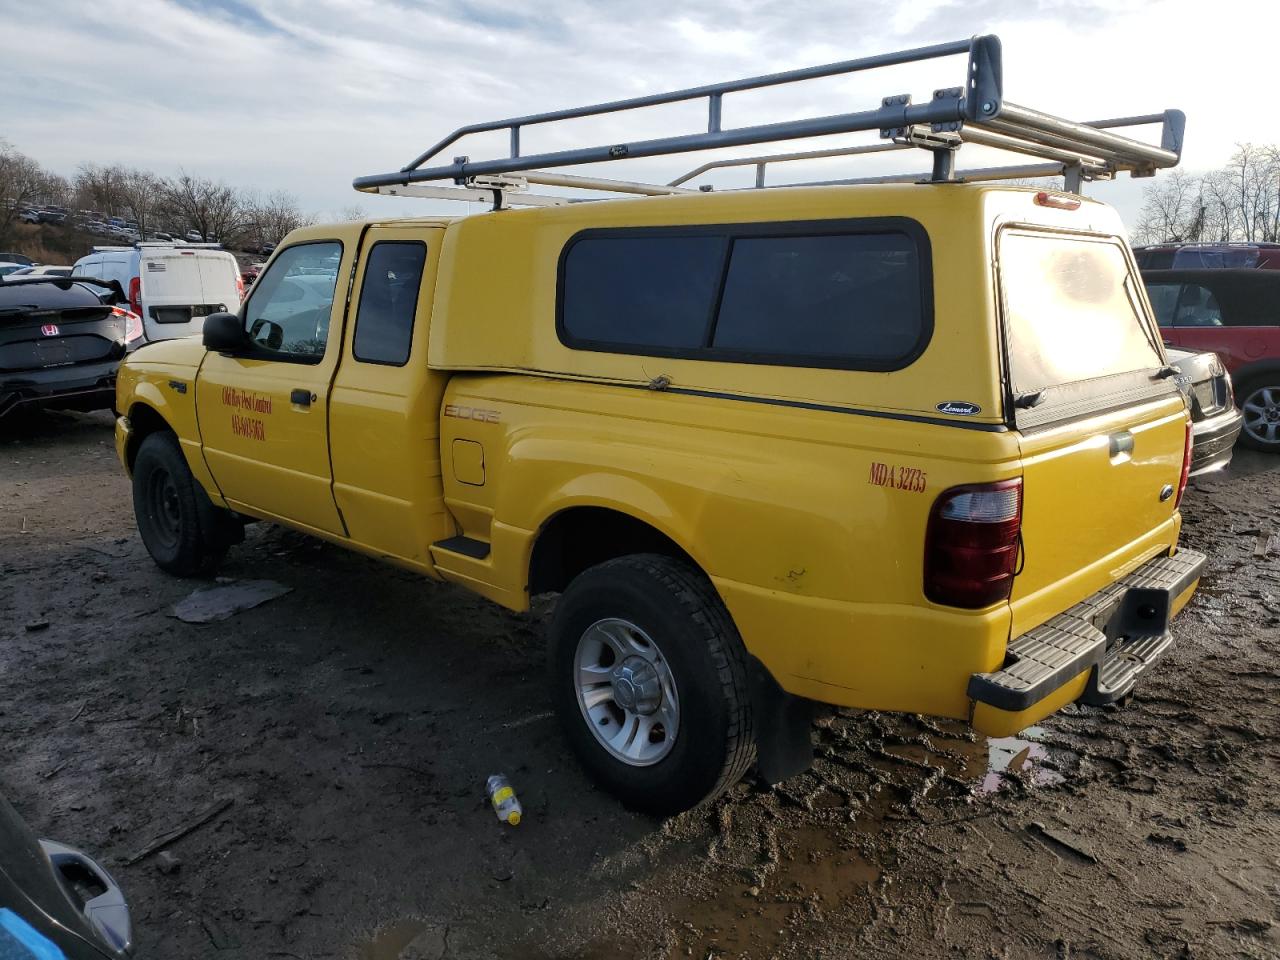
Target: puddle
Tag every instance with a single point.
(1023, 756)
(391, 940)
(814, 874)
(819, 870)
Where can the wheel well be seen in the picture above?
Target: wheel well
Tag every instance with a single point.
(145, 421)
(1247, 376)
(581, 537)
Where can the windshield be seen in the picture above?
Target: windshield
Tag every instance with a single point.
(1070, 311)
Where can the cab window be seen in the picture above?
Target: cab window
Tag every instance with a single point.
(289, 310)
(389, 301)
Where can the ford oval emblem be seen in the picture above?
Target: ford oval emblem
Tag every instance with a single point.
(959, 408)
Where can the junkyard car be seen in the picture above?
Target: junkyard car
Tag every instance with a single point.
(60, 897)
(1235, 314)
(773, 447)
(61, 340)
(1215, 421)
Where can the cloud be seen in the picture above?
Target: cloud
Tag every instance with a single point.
(303, 95)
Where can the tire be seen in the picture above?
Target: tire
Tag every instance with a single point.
(684, 664)
(1260, 404)
(177, 521)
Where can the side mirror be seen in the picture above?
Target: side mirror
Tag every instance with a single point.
(223, 333)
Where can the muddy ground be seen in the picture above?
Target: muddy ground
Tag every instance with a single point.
(352, 722)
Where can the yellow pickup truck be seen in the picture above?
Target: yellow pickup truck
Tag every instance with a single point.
(899, 446)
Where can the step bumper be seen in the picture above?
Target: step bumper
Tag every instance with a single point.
(1116, 634)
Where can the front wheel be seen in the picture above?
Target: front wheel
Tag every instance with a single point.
(168, 504)
(649, 680)
(1260, 405)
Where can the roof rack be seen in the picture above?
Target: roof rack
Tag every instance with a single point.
(166, 244)
(974, 112)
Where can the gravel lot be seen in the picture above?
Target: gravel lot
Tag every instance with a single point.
(351, 724)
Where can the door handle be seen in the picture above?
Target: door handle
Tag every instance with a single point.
(1121, 444)
(301, 397)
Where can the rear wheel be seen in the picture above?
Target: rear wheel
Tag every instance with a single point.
(1260, 404)
(649, 681)
(168, 505)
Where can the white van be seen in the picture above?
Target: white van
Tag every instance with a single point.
(172, 286)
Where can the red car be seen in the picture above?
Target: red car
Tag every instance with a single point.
(1204, 256)
(1236, 314)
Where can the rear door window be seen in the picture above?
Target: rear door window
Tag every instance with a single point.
(1071, 311)
(389, 302)
(1197, 307)
(1164, 301)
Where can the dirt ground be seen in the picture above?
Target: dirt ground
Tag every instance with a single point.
(352, 722)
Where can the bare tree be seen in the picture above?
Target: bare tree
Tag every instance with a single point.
(1239, 202)
(1173, 210)
(270, 219)
(143, 195)
(208, 207)
(22, 182)
(101, 188)
(351, 212)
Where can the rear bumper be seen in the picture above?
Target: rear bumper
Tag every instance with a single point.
(1093, 652)
(1212, 441)
(90, 386)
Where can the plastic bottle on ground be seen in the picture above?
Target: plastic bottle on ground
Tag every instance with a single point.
(502, 796)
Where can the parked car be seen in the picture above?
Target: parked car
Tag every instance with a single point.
(18, 258)
(44, 270)
(1236, 314)
(7, 268)
(29, 216)
(61, 342)
(58, 896)
(173, 287)
(1215, 421)
(194, 236)
(1208, 256)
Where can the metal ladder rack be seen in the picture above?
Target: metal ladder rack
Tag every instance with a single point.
(973, 112)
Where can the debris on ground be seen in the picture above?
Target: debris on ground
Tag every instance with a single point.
(167, 863)
(212, 604)
(179, 832)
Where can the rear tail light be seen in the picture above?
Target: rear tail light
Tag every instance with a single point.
(135, 295)
(1186, 467)
(971, 548)
(239, 286)
(132, 323)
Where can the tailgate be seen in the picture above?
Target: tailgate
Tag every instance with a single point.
(1102, 435)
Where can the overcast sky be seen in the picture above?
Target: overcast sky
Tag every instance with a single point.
(303, 95)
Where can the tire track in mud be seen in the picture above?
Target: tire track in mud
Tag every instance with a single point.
(354, 722)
